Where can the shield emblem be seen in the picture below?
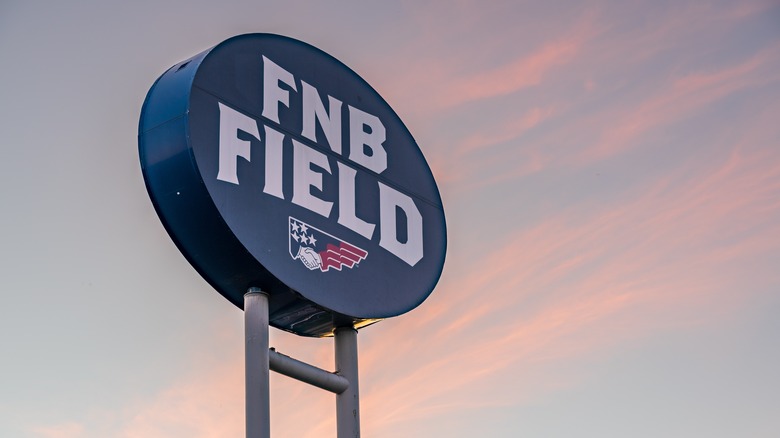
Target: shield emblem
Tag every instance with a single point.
(317, 249)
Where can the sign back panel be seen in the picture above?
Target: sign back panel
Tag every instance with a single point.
(272, 164)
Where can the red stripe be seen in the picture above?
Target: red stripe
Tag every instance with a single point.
(338, 256)
(348, 262)
(357, 251)
(349, 256)
(329, 261)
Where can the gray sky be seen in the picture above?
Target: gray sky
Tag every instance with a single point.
(610, 173)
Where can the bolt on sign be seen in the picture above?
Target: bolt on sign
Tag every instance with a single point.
(272, 164)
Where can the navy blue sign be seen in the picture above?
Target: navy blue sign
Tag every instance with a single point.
(271, 164)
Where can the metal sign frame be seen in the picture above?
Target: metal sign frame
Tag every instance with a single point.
(272, 164)
(260, 359)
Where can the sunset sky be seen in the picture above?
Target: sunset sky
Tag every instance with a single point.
(610, 173)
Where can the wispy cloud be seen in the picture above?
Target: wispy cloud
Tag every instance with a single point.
(680, 99)
(459, 76)
(66, 430)
(570, 289)
(655, 88)
(511, 78)
(510, 130)
(209, 405)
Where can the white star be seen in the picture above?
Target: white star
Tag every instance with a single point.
(295, 236)
(304, 228)
(312, 240)
(294, 226)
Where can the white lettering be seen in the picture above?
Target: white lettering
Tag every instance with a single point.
(314, 110)
(230, 146)
(400, 221)
(273, 95)
(347, 215)
(390, 200)
(273, 162)
(365, 148)
(304, 178)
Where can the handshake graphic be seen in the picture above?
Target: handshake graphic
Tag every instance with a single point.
(309, 257)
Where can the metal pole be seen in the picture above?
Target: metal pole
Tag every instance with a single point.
(347, 403)
(307, 373)
(258, 406)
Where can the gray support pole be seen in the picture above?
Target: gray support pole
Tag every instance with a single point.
(347, 403)
(258, 406)
(307, 373)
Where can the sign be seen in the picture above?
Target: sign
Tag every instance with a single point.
(271, 164)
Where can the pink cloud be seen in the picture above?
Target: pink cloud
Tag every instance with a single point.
(510, 130)
(444, 82)
(65, 430)
(209, 405)
(510, 78)
(569, 289)
(682, 98)
(578, 132)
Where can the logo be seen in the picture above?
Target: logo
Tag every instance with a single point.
(317, 249)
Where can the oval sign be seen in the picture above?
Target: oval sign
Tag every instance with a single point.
(273, 165)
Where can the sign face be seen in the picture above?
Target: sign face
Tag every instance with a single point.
(273, 165)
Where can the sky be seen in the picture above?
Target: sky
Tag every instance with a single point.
(610, 172)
